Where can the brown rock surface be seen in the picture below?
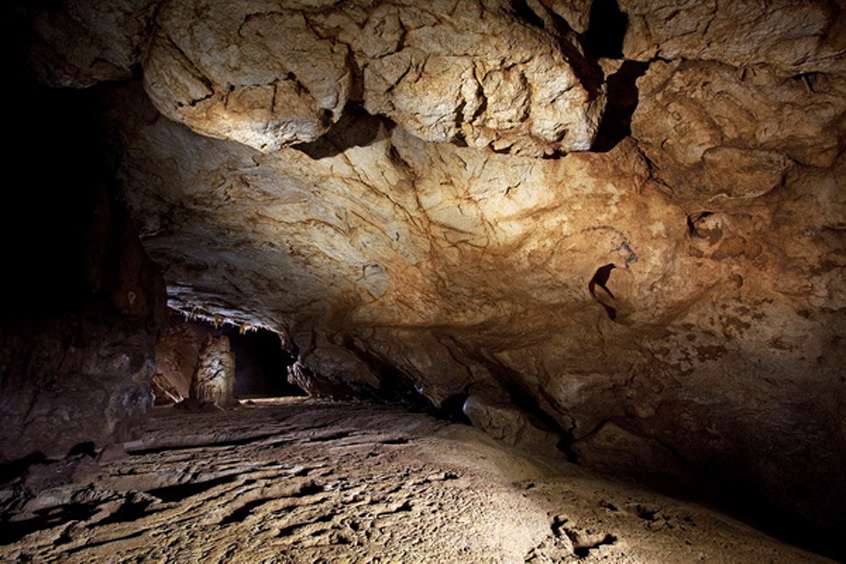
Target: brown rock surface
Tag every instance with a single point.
(442, 267)
(794, 36)
(77, 43)
(717, 132)
(330, 196)
(81, 302)
(177, 356)
(305, 481)
(214, 380)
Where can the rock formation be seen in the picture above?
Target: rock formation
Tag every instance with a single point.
(177, 357)
(418, 195)
(214, 380)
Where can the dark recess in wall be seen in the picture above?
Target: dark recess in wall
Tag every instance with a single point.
(623, 97)
(606, 30)
(261, 364)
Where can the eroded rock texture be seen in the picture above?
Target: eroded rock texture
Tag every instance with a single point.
(367, 181)
(270, 74)
(214, 380)
(306, 481)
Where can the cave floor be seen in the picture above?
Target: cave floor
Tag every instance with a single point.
(306, 481)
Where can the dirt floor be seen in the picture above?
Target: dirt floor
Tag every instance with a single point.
(308, 481)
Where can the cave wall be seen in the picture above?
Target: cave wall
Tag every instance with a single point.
(177, 356)
(81, 302)
(419, 197)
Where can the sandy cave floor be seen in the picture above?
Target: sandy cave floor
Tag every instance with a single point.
(306, 481)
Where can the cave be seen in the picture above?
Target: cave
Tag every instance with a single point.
(449, 281)
(237, 363)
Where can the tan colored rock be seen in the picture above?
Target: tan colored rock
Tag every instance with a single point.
(794, 36)
(509, 88)
(287, 74)
(270, 74)
(575, 12)
(405, 264)
(714, 132)
(214, 379)
(253, 71)
(177, 355)
(506, 423)
(444, 263)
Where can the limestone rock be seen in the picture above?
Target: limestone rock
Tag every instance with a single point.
(270, 74)
(252, 71)
(450, 266)
(510, 88)
(714, 132)
(506, 423)
(177, 355)
(406, 265)
(794, 36)
(214, 380)
(575, 12)
(83, 375)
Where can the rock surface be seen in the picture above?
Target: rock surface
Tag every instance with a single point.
(214, 380)
(78, 43)
(396, 263)
(177, 356)
(305, 481)
(792, 36)
(367, 182)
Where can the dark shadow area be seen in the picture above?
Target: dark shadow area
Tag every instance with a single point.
(521, 10)
(356, 128)
(61, 169)
(623, 97)
(178, 492)
(585, 66)
(512, 383)
(16, 468)
(261, 364)
(606, 30)
(452, 408)
(12, 531)
(600, 278)
(693, 220)
(395, 387)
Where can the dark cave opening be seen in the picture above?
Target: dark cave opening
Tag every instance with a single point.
(623, 98)
(196, 357)
(261, 363)
(606, 30)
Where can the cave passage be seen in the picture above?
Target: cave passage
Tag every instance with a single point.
(220, 363)
(261, 363)
(370, 281)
